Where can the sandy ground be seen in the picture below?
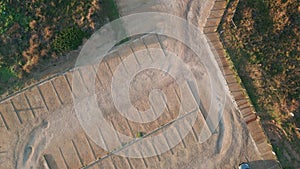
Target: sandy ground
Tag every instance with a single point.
(195, 11)
(39, 127)
(54, 138)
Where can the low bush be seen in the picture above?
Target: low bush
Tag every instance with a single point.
(68, 39)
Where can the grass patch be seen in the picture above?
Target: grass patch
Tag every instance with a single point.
(6, 74)
(110, 8)
(34, 34)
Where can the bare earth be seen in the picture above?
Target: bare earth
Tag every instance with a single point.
(39, 127)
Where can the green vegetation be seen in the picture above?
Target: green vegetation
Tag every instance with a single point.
(34, 34)
(10, 15)
(68, 39)
(263, 42)
(7, 74)
(139, 134)
(110, 7)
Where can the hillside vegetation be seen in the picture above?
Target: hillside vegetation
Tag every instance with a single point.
(262, 40)
(38, 32)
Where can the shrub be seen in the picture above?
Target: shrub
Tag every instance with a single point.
(68, 39)
(140, 134)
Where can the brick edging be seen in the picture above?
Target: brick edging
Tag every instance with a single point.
(218, 13)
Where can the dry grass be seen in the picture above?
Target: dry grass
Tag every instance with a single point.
(264, 47)
(29, 28)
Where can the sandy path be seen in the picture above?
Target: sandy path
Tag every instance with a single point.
(195, 11)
